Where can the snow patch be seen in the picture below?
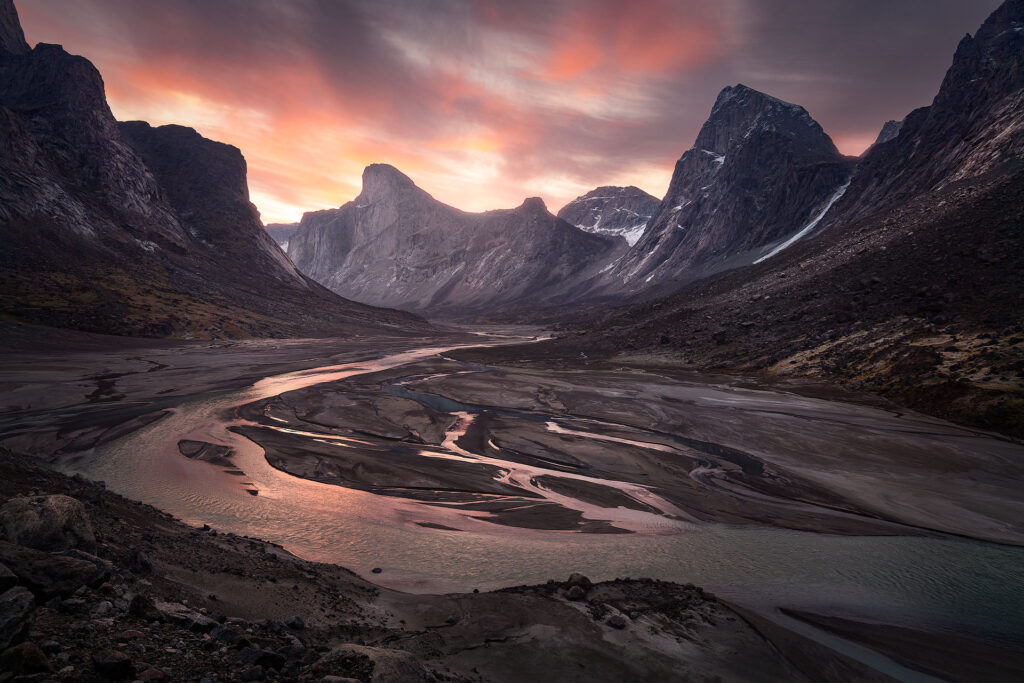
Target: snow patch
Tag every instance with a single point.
(810, 226)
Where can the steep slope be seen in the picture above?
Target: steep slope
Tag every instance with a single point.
(397, 246)
(919, 296)
(281, 233)
(973, 126)
(133, 230)
(759, 171)
(614, 211)
(889, 130)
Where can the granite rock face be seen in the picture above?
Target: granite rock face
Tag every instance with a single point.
(889, 131)
(12, 39)
(614, 211)
(128, 229)
(758, 172)
(281, 233)
(973, 127)
(396, 246)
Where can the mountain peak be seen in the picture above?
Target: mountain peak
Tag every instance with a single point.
(741, 111)
(12, 38)
(533, 205)
(384, 180)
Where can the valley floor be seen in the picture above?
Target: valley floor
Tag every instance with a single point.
(819, 517)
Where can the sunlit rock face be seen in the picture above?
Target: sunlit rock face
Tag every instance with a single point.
(395, 245)
(614, 211)
(758, 171)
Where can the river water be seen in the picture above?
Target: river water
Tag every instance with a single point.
(946, 584)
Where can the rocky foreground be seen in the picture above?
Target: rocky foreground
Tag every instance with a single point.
(99, 587)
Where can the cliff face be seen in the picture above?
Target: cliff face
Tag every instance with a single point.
(613, 211)
(394, 245)
(973, 127)
(759, 171)
(128, 229)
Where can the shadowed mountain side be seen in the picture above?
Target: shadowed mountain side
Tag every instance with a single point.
(128, 229)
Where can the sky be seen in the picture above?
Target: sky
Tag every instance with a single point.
(484, 103)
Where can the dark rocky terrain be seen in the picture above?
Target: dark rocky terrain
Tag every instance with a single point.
(395, 245)
(759, 170)
(136, 230)
(281, 233)
(614, 211)
(97, 587)
(915, 289)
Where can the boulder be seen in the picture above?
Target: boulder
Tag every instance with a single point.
(575, 593)
(47, 523)
(577, 579)
(16, 606)
(176, 613)
(617, 621)
(8, 579)
(48, 575)
(142, 606)
(113, 665)
(25, 659)
(253, 673)
(373, 664)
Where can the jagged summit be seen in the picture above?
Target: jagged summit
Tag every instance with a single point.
(739, 111)
(12, 38)
(381, 181)
(760, 169)
(397, 246)
(532, 205)
(889, 131)
(612, 210)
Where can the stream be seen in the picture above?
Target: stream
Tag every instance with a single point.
(946, 583)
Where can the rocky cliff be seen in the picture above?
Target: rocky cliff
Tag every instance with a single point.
(972, 128)
(614, 211)
(128, 229)
(759, 171)
(282, 233)
(395, 245)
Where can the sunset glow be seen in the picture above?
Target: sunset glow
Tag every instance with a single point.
(483, 103)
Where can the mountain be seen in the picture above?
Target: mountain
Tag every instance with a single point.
(890, 130)
(397, 246)
(615, 211)
(281, 233)
(972, 128)
(129, 229)
(913, 287)
(760, 170)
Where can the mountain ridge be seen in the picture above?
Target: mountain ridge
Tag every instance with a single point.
(395, 245)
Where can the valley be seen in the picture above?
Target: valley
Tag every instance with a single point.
(450, 477)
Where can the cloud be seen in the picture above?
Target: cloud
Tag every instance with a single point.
(486, 102)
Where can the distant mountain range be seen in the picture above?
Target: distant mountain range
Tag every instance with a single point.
(613, 211)
(128, 229)
(395, 245)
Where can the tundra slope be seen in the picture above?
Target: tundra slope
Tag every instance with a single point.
(911, 287)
